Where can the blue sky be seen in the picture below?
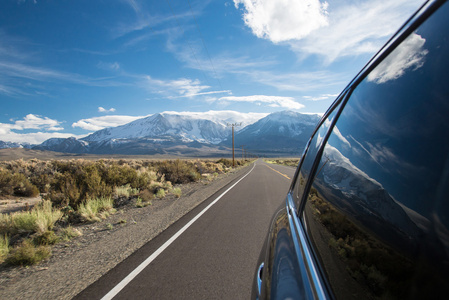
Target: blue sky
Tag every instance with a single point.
(69, 68)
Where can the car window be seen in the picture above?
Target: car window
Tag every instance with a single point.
(310, 154)
(377, 211)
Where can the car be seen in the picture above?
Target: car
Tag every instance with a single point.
(367, 213)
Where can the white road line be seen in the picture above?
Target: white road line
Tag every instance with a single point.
(112, 293)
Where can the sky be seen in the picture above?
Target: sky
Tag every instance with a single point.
(71, 67)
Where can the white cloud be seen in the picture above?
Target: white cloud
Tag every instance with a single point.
(273, 101)
(98, 123)
(283, 20)
(209, 93)
(320, 97)
(101, 109)
(108, 66)
(409, 54)
(47, 128)
(183, 86)
(178, 88)
(357, 28)
(333, 31)
(34, 137)
(16, 77)
(36, 122)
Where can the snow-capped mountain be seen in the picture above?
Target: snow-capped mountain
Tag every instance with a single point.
(280, 133)
(225, 117)
(4, 145)
(284, 131)
(165, 127)
(69, 145)
(353, 190)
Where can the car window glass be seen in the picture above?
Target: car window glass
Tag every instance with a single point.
(309, 157)
(377, 211)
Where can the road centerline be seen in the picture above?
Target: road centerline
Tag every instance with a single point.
(122, 284)
(282, 174)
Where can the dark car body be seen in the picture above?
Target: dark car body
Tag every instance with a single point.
(367, 214)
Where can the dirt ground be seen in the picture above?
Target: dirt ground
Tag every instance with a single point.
(17, 204)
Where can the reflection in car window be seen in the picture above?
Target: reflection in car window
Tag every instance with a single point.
(410, 54)
(309, 157)
(377, 212)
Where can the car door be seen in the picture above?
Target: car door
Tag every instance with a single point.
(374, 210)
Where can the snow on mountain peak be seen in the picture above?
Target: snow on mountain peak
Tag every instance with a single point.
(179, 126)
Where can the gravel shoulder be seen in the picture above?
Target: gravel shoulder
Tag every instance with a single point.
(76, 264)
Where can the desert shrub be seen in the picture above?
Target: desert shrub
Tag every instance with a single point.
(177, 192)
(27, 253)
(77, 183)
(23, 187)
(140, 203)
(17, 223)
(96, 209)
(155, 186)
(92, 185)
(4, 247)
(209, 167)
(69, 233)
(6, 186)
(121, 191)
(116, 175)
(16, 184)
(125, 191)
(46, 216)
(119, 175)
(226, 162)
(46, 238)
(293, 162)
(65, 190)
(42, 181)
(160, 193)
(146, 195)
(179, 171)
(144, 178)
(40, 219)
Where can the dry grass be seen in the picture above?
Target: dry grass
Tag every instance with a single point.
(40, 219)
(291, 162)
(4, 248)
(96, 209)
(177, 192)
(69, 233)
(27, 253)
(126, 191)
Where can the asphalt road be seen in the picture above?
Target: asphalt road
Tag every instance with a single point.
(213, 258)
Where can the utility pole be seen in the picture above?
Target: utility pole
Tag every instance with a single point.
(233, 125)
(243, 152)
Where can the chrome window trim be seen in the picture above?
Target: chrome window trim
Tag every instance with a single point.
(304, 253)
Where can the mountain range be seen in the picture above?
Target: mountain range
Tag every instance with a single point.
(277, 134)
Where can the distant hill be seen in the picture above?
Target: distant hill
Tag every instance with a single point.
(5, 145)
(278, 134)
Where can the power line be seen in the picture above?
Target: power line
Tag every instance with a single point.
(205, 47)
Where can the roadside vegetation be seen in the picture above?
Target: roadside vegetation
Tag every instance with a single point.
(292, 162)
(80, 191)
